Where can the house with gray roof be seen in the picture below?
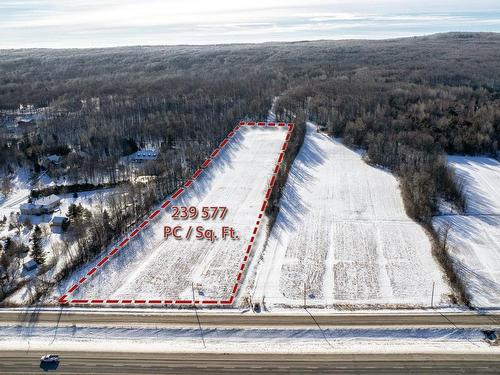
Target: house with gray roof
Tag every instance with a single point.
(41, 206)
(144, 155)
(59, 224)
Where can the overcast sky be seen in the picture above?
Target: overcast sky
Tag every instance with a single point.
(103, 23)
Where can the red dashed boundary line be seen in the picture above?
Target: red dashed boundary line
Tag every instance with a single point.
(66, 299)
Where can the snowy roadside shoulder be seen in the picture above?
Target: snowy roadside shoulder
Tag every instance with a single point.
(143, 340)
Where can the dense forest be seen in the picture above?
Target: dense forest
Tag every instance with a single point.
(407, 101)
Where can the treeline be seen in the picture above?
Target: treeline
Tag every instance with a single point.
(67, 189)
(293, 147)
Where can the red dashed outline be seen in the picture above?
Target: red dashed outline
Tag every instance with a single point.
(66, 298)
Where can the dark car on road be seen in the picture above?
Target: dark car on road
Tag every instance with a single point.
(49, 362)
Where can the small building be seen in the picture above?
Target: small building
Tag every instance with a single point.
(48, 204)
(42, 206)
(29, 264)
(54, 159)
(25, 122)
(59, 224)
(144, 155)
(29, 209)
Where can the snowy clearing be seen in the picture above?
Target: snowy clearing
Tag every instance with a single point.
(474, 238)
(150, 267)
(342, 237)
(21, 186)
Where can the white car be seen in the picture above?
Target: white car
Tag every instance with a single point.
(50, 358)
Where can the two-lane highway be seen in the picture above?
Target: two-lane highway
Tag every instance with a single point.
(187, 318)
(212, 363)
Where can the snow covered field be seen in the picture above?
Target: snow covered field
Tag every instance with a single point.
(150, 267)
(343, 237)
(474, 238)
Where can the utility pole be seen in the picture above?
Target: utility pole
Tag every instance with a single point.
(432, 295)
(197, 317)
(305, 302)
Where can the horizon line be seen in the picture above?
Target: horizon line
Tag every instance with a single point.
(252, 43)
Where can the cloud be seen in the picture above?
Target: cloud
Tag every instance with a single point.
(91, 23)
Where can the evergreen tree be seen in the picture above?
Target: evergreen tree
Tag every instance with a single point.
(7, 244)
(36, 248)
(106, 224)
(74, 212)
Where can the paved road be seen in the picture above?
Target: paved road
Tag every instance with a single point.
(22, 362)
(251, 320)
(207, 363)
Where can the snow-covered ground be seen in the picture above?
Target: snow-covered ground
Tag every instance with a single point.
(52, 243)
(342, 237)
(120, 339)
(474, 238)
(21, 186)
(150, 267)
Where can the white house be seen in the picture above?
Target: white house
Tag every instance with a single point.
(42, 206)
(144, 155)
